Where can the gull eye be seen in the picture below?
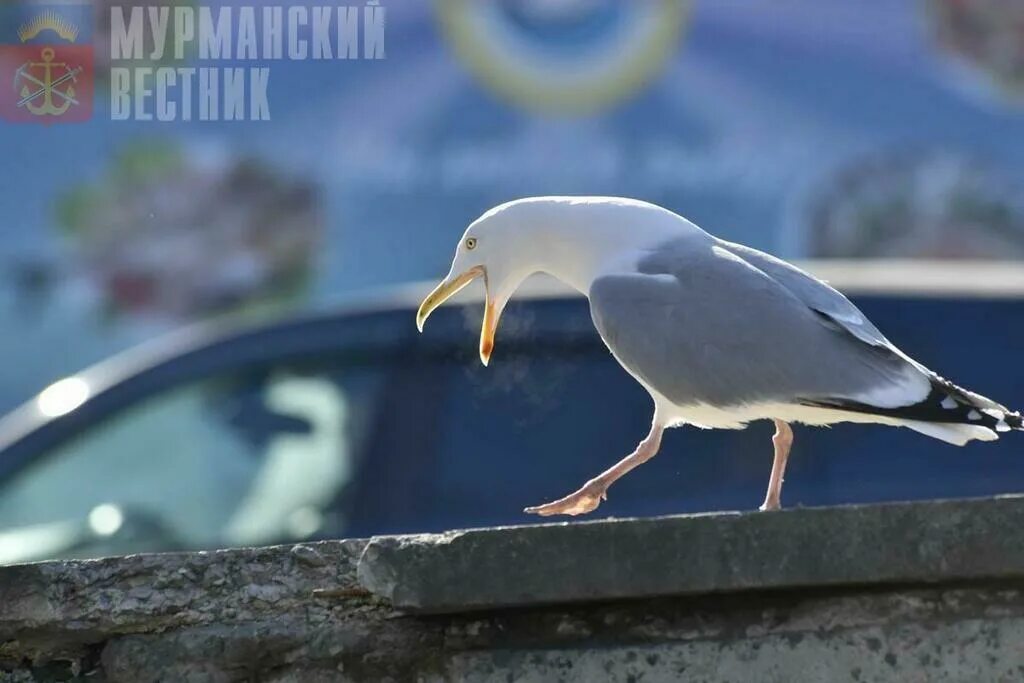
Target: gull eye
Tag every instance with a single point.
(470, 243)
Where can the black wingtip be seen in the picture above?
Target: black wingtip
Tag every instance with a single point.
(946, 403)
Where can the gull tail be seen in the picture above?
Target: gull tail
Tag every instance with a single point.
(967, 407)
(949, 412)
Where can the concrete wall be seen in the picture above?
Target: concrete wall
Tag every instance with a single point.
(909, 592)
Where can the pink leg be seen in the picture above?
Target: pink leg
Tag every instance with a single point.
(594, 491)
(783, 441)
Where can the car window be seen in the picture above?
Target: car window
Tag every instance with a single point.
(252, 458)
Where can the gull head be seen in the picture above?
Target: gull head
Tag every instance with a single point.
(497, 250)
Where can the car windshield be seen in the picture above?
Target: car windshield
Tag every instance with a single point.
(242, 459)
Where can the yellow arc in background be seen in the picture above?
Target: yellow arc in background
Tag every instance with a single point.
(637, 63)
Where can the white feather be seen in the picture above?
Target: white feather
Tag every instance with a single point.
(956, 434)
(737, 417)
(913, 387)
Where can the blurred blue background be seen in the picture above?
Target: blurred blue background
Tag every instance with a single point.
(809, 128)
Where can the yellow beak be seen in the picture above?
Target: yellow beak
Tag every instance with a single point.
(446, 290)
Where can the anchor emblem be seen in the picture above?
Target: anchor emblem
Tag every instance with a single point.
(41, 85)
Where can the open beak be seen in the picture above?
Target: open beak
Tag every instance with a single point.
(446, 290)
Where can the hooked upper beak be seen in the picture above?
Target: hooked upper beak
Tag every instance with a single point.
(447, 289)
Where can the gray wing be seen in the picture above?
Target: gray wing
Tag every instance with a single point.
(701, 324)
(813, 292)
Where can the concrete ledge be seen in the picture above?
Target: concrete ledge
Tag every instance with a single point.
(913, 543)
(866, 593)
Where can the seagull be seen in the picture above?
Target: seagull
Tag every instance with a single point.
(719, 334)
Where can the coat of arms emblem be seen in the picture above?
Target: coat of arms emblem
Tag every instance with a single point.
(46, 63)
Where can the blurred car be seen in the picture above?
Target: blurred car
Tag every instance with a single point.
(349, 423)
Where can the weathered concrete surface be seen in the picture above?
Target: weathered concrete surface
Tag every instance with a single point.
(909, 636)
(916, 592)
(692, 554)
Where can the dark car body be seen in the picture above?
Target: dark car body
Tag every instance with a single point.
(406, 432)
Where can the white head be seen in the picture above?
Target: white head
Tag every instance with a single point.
(493, 247)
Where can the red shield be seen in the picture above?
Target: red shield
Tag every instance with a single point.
(46, 83)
